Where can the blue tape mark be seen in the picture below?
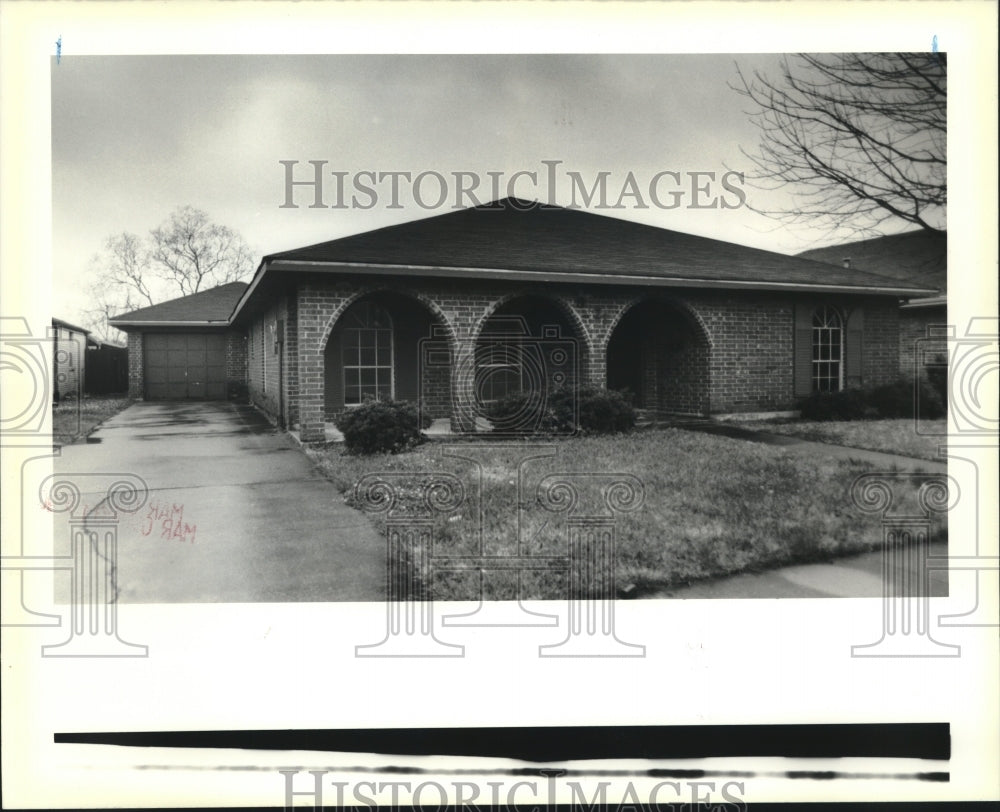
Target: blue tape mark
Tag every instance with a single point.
(58, 49)
(934, 49)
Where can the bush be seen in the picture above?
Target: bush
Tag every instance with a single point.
(380, 426)
(588, 409)
(521, 412)
(937, 377)
(847, 404)
(604, 411)
(892, 400)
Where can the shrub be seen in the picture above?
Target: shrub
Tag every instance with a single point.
(891, 400)
(587, 408)
(937, 377)
(604, 411)
(899, 399)
(847, 404)
(380, 426)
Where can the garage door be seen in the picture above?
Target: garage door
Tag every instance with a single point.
(185, 365)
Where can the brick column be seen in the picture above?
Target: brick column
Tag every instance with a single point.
(463, 382)
(135, 371)
(310, 364)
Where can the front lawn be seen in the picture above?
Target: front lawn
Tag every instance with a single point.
(714, 506)
(73, 420)
(891, 436)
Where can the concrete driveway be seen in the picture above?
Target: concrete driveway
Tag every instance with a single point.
(235, 513)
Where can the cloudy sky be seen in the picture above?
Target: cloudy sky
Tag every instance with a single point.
(135, 137)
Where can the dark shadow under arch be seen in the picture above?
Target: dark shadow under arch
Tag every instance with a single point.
(659, 353)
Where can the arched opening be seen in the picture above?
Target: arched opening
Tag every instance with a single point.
(382, 348)
(529, 344)
(659, 354)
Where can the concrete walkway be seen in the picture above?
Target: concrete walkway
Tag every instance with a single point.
(235, 512)
(858, 576)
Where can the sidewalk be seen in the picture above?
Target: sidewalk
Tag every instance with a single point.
(858, 576)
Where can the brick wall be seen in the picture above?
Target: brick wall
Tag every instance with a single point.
(236, 365)
(880, 356)
(737, 352)
(266, 358)
(913, 326)
(136, 388)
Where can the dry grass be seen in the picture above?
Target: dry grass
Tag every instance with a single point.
(73, 420)
(713, 506)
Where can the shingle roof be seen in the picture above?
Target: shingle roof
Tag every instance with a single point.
(917, 257)
(207, 307)
(549, 241)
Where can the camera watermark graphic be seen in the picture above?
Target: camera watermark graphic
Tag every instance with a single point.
(314, 184)
(970, 362)
(506, 381)
(576, 512)
(36, 370)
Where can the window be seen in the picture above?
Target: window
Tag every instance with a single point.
(366, 353)
(498, 372)
(827, 350)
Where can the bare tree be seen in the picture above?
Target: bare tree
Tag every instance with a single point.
(120, 282)
(194, 254)
(857, 139)
(185, 255)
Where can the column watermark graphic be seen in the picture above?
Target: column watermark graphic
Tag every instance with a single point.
(414, 505)
(966, 365)
(906, 533)
(37, 371)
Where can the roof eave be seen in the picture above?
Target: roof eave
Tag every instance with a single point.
(581, 277)
(245, 296)
(162, 323)
(931, 301)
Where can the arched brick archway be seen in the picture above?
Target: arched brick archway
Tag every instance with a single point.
(384, 343)
(564, 316)
(525, 340)
(659, 350)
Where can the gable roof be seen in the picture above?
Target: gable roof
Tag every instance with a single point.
(210, 307)
(67, 326)
(917, 257)
(524, 240)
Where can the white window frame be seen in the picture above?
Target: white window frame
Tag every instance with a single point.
(368, 308)
(830, 328)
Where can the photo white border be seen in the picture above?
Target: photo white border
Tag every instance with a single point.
(292, 665)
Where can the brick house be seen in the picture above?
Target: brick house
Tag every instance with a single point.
(458, 309)
(919, 258)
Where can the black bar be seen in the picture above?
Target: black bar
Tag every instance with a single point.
(556, 744)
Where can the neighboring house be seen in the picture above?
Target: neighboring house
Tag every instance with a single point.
(919, 258)
(466, 306)
(69, 358)
(107, 368)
